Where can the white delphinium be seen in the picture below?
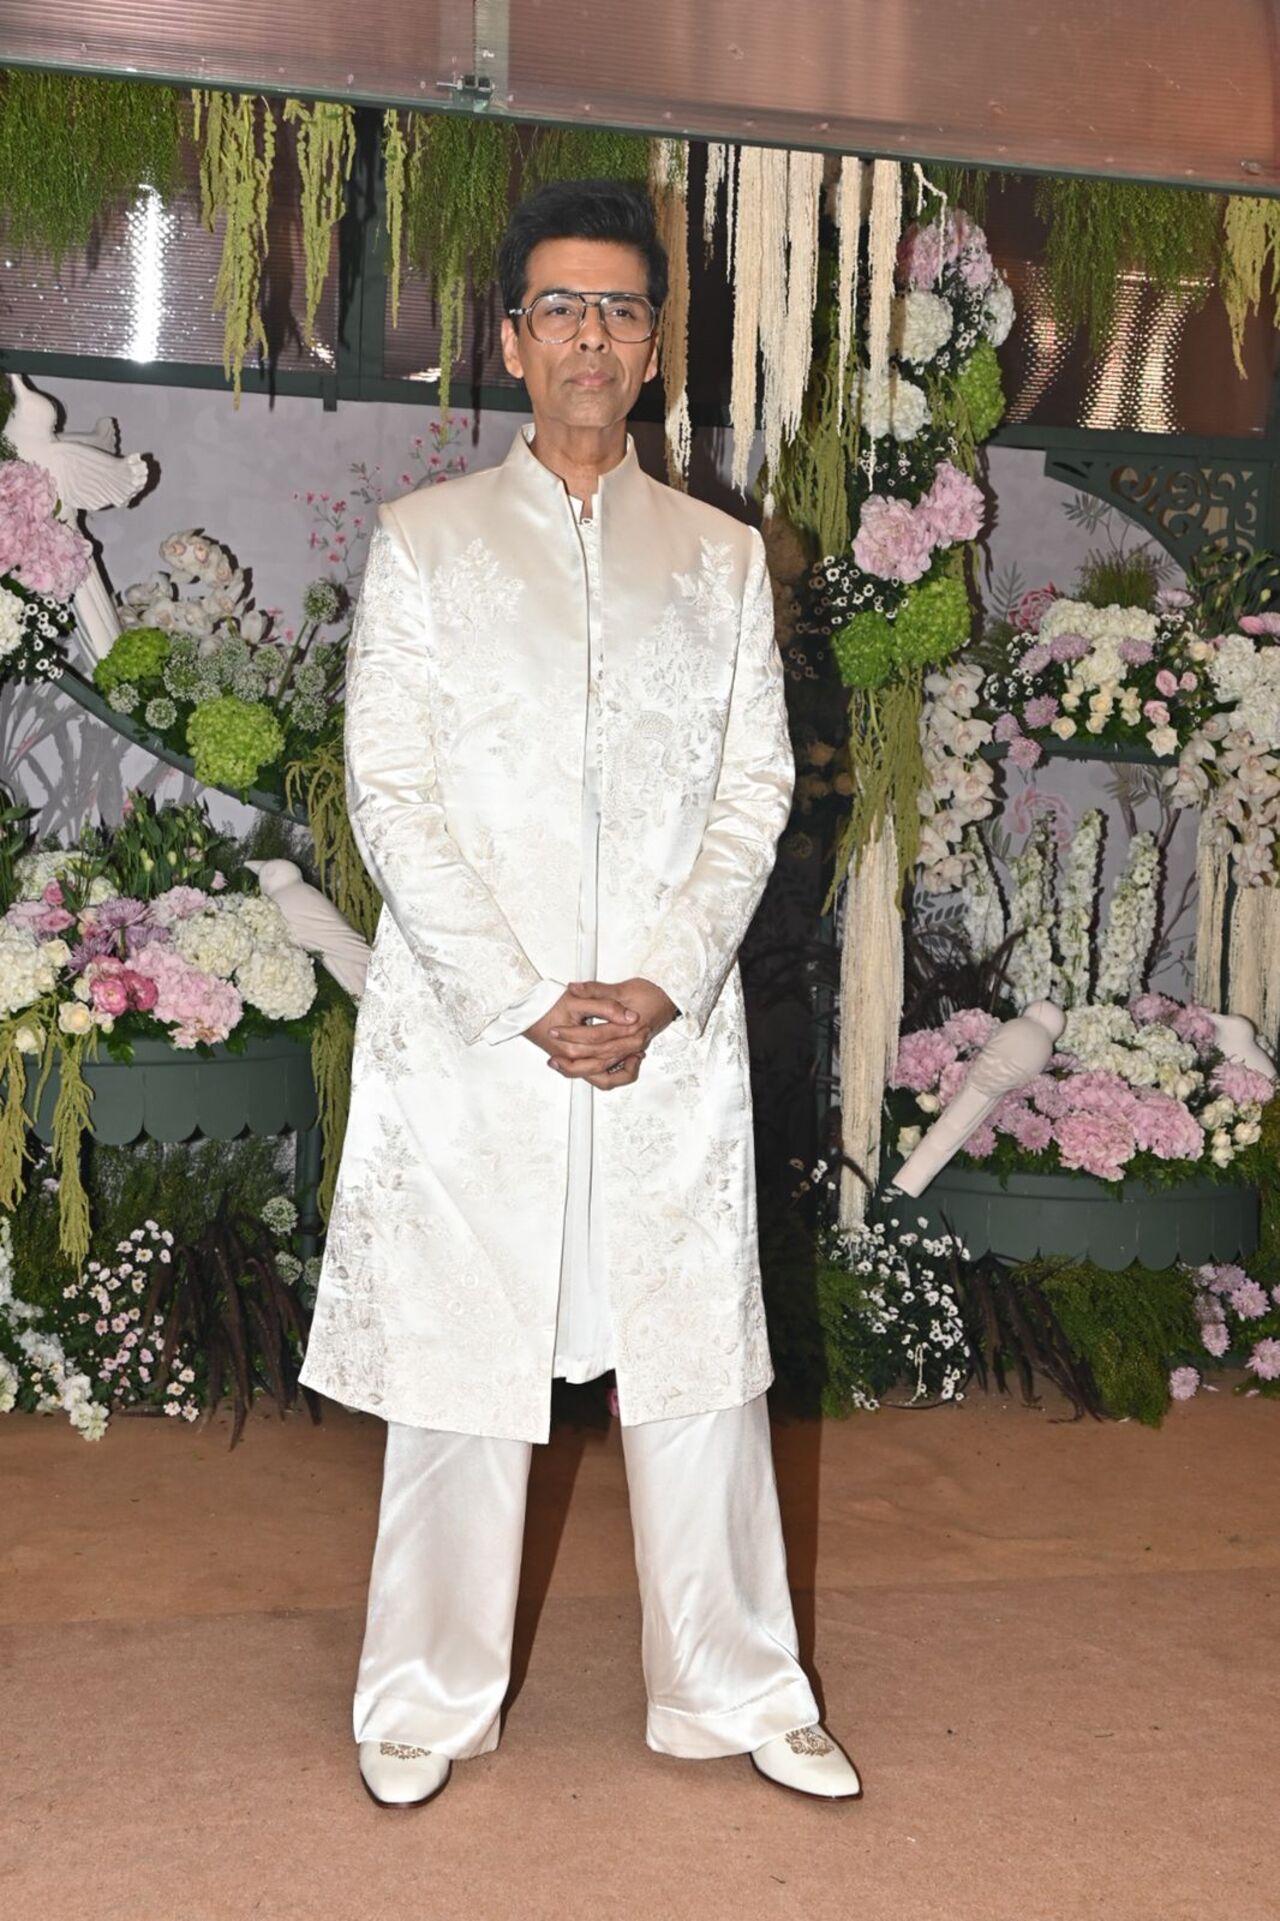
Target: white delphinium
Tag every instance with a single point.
(959, 785)
(1075, 919)
(981, 906)
(1125, 945)
(921, 326)
(1032, 970)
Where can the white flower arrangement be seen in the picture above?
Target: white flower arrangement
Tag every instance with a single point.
(894, 406)
(1125, 947)
(1033, 972)
(959, 785)
(902, 1320)
(1075, 920)
(921, 326)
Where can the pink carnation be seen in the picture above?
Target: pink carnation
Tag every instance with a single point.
(1037, 657)
(981, 1142)
(1068, 647)
(1215, 1337)
(1040, 710)
(953, 508)
(1146, 1008)
(1136, 653)
(921, 1059)
(1033, 1132)
(1167, 1128)
(1241, 1084)
(894, 540)
(1098, 1144)
(1183, 1383)
(951, 1080)
(1024, 753)
(1006, 728)
(1195, 1025)
(1095, 1091)
(971, 1027)
(1166, 683)
(1248, 1300)
(1221, 1277)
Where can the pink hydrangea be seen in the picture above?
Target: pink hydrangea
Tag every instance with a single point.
(1095, 1091)
(1241, 1084)
(970, 1027)
(41, 551)
(953, 507)
(202, 1007)
(1183, 1382)
(951, 1080)
(1195, 1025)
(1167, 1128)
(1265, 1360)
(921, 1059)
(894, 540)
(1098, 1144)
(1146, 1008)
(178, 903)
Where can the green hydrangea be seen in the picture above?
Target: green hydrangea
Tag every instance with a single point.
(864, 650)
(231, 740)
(980, 390)
(160, 713)
(932, 621)
(138, 654)
(123, 697)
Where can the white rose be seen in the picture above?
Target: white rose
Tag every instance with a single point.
(1062, 727)
(27, 1039)
(909, 1138)
(928, 1103)
(1163, 740)
(74, 1018)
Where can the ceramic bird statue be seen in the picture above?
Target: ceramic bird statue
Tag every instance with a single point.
(89, 474)
(1014, 1055)
(315, 923)
(1238, 1041)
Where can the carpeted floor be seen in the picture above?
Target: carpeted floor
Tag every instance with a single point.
(1048, 1646)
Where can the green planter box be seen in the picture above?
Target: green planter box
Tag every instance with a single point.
(171, 1093)
(1074, 1215)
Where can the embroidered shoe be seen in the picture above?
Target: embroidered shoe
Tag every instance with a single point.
(398, 1775)
(811, 1762)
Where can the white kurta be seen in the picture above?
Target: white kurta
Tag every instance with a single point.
(480, 799)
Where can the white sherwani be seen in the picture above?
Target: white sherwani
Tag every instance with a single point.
(468, 784)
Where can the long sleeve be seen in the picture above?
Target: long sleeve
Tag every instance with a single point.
(703, 924)
(528, 1009)
(446, 913)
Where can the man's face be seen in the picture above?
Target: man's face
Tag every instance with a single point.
(555, 373)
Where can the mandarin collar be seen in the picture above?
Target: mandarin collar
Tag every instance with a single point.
(522, 465)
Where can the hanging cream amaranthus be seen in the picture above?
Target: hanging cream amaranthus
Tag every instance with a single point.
(880, 479)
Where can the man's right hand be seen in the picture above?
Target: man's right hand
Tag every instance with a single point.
(610, 1038)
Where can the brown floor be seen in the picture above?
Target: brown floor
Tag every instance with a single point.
(1049, 1646)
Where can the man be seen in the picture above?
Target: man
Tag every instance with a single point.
(567, 770)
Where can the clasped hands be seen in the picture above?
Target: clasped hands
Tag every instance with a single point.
(598, 1030)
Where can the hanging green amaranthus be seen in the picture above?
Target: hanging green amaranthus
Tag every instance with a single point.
(236, 161)
(326, 146)
(395, 158)
(583, 153)
(71, 147)
(456, 199)
(1100, 229)
(1250, 239)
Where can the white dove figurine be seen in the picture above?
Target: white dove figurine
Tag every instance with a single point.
(315, 923)
(1238, 1041)
(1015, 1054)
(89, 474)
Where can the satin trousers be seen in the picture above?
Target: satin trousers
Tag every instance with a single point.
(719, 1650)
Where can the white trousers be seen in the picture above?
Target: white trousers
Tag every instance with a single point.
(718, 1644)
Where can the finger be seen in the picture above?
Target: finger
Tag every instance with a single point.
(596, 1006)
(576, 1043)
(590, 1065)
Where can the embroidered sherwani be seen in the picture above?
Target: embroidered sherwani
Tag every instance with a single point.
(468, 763)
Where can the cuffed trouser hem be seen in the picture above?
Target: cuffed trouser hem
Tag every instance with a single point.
(732, 1730)
(383, 1718)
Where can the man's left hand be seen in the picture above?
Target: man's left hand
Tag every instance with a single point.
(587, 1050)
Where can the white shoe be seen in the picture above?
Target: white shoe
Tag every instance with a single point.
(811, 1762)
(397, 1775)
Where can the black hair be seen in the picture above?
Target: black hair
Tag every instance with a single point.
(619, 210)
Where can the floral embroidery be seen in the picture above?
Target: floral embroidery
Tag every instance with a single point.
(809, 1741)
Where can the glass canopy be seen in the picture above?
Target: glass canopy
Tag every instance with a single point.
(1180, 91)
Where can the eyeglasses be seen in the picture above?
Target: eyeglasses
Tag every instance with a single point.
(559, 316)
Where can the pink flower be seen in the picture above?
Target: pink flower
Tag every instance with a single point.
(1221, 1277)
(1146, 1008)
(143, 991)
(1156, 712)
(1006, 728)
(1098, 1144)
(981, 1142)
(972, 1027)
(1033, 1132)
(1025, 753)
(1215, 1337)
(951, 1080)
(1248, 1300)
(110, 994)
(1188, 682)
(1241, 1084)
(1166, 683)
(1040, 710)
(921, 1058)
(1036, 658)
(894, 541)
(1183, 1383)
(1137, 653)
(1026, 616)
(1167, 1128)
(953, 507)
(1260, 624)
(1265, 1360)
(1068, 647)
(46, 555)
